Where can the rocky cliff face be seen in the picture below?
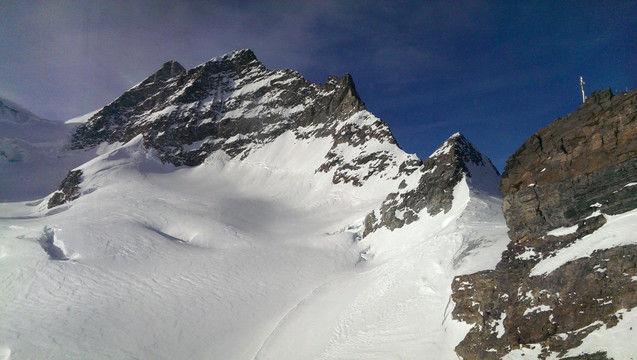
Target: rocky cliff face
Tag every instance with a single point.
(435, 179)
(560, 187)
(235, 105)
(583, 158)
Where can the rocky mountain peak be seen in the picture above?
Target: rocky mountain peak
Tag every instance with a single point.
(463, 151)
(233, 104)
(169, 70)
(234, 62)
(457, 146)
(243, 56)
(345, 98)
(346, 83)
(597, 129)
(456, 159)
(560, 188)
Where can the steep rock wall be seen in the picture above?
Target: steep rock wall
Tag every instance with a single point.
(567, 176)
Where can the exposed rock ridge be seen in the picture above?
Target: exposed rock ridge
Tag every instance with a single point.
(234, 104)
(68, 191)
(436, 178)
(169, 70)
(568, 175)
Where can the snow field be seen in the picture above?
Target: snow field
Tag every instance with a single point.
(397, 305)
(235, 260)
(173, 263)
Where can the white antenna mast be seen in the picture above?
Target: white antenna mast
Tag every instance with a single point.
(581, 84)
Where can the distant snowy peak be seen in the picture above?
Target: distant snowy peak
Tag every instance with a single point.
(34, 153)
(12, 112)
(20, 126)
(481, 174)
(461, 149)
(233, 104)
(431, 187)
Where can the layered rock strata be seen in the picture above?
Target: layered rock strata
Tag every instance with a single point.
(559, 186)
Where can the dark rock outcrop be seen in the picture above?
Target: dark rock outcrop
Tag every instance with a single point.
(68, 191)
(566, 175)
(439, 174)
(234, 104)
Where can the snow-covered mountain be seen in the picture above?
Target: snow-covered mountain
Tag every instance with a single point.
(234, 212)
(34, 153)
(231, 259)
(234, 104)
(258, 237)
(456, 160)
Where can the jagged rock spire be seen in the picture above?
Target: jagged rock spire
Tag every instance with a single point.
(454, 160)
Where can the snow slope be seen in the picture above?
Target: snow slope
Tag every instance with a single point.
(397, 304)
(234, 260)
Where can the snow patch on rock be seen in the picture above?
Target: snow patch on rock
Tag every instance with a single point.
(617, 231)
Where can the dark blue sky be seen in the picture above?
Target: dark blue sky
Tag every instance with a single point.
(496, 71)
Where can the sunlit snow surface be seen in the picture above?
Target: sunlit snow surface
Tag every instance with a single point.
(235, 260)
